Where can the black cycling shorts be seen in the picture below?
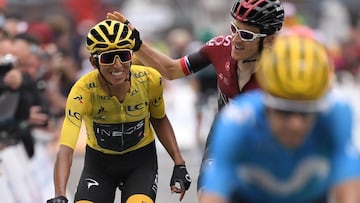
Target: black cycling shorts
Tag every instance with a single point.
(135, 172)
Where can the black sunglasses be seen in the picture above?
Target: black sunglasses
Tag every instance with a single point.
(108, 57)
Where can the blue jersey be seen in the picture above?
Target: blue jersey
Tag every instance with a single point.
(249, 161)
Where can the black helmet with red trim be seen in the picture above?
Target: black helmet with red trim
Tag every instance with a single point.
(268, 15)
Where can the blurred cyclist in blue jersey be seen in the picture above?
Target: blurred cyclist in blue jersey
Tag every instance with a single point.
(290, 141)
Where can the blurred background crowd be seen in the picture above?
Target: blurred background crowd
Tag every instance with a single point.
(42, 54)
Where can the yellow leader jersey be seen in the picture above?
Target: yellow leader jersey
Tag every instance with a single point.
(113, 127)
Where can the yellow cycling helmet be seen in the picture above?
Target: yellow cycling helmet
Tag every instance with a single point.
(107, 35)
(295, 68)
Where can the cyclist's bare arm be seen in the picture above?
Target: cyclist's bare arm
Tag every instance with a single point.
(169, 68)
(166, 135)
(167, 138)
(62, 169)
(347, 192)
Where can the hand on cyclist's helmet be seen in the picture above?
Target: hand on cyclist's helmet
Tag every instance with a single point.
(58, 199)
(135, 33)
(180, 180)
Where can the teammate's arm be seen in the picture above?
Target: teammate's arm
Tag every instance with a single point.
(168, 67)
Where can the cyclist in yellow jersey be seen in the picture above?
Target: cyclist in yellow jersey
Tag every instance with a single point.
(118, 103)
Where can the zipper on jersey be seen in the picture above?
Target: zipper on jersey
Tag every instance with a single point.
(123, 118)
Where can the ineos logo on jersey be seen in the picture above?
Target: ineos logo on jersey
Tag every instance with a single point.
(119, 136)
(116, 131)
(220, 41)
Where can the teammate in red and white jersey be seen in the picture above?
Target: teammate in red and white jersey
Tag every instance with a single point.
(254, 25)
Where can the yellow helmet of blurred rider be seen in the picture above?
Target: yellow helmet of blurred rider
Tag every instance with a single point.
(295, 68)
(107, 35)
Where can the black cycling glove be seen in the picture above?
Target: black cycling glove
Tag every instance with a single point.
(181, 176)
(138, 41)
(58, 199)
(136, 36)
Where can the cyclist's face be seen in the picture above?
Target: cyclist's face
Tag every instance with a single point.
(115, 71)
(290, 129)
(241, 49)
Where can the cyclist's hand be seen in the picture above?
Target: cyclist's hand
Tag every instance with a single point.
(58, 199)
(135, 33)
(180, 180)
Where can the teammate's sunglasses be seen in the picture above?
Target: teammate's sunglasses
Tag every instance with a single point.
(245, 35)
(108, 57)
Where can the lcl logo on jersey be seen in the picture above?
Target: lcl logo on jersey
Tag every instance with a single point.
(74, 114)
(137, 109)
(91, 85)
(105, 97)
(140, 76)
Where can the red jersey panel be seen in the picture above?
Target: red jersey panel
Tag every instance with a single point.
(217, 52)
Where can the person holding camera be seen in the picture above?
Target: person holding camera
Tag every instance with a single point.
(19, 94)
